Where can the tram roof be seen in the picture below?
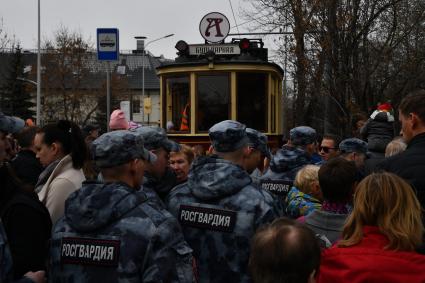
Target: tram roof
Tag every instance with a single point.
(253, 54)
(203, 62)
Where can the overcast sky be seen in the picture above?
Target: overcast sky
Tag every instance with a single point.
(151, 18)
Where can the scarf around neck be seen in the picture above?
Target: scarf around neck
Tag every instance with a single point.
(44, 176)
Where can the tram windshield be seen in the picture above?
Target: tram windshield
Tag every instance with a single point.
(252, 100)
(213, 96)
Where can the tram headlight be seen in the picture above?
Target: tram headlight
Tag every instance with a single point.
(244, 44)
(182, 47)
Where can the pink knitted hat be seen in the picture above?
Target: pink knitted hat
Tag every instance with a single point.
(118, 121)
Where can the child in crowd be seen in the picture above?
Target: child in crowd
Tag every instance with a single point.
(379, 128)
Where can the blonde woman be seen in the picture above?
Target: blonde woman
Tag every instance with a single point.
(380, 236)
(305, 196)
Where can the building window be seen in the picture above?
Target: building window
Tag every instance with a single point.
(213, 97)
(252, 100)
(177, 101)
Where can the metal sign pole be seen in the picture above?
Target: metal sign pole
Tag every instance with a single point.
(38, 99)
(108, 94)
(143, 84)
(108, 50)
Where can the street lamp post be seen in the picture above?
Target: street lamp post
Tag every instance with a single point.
(38, 102)
(143, 69)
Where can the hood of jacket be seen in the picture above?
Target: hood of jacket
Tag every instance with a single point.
(289, 158)
(212, 178)
(383, 116)
(97, 204)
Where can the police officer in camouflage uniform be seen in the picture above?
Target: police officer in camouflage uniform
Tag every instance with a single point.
(288, 161)
(258, 150)
(111, 232)
(159, 178)
(219, 209)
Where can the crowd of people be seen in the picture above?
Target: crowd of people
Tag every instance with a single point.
(130, 205)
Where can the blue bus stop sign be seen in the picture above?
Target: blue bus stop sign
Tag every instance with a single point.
(108, 44)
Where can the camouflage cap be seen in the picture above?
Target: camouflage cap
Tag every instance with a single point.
(353, 145)
(228, 136)
(302, 135)
(258, 141)
(11, 124)
(156, 137)
(118, 147)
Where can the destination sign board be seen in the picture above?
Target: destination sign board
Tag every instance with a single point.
(218, 49)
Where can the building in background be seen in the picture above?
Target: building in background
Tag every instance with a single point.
(77, 90)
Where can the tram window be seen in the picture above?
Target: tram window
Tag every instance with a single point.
(213, 100)
(177, 101)
(252, 100)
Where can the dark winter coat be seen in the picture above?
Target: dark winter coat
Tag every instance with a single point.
(6, 268)
(378, 132)
(410, 165)
(27, 224)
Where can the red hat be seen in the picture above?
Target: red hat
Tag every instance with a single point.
(385, 107)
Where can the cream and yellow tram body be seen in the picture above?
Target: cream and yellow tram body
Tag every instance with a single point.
(199, 90)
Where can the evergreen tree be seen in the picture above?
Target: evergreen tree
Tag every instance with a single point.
(16, 99)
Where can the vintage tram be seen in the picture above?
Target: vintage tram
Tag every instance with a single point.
(208, 83)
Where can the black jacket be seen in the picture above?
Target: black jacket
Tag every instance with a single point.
(410, 165)
(27, 224)
(378, 132)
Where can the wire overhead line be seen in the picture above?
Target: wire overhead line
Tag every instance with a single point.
(234, 18)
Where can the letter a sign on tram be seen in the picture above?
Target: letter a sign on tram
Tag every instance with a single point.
(214, 27)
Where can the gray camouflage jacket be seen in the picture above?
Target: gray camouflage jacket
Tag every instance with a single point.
(286, 163)
(220, 211)
(159, 187)
(113, 233)
(284, 166)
